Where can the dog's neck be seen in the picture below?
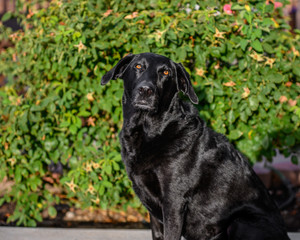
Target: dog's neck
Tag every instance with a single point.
(153, 123)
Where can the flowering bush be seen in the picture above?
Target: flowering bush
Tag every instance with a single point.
(59, 127)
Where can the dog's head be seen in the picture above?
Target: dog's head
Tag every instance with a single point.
(151, 80)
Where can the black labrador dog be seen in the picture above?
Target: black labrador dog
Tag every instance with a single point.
(194, 183)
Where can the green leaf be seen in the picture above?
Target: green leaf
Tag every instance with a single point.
(101, 190)
(257, 45)
(107, 184)
(107, 169)
(231, 116)
(6, 16)
(50, 144)
(84, 114)
(235, 6)
(242, 64)
(235, 134)
(64, 124)
(243, 44)
(290, 140)
(73, 129)
(18, 175)
(253, 103)
(294, 160)
(116, 166)
(296, 69)
(275, 77)
(268, 48)
(52, 212)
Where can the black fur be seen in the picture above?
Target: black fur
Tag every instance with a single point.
(191, 179)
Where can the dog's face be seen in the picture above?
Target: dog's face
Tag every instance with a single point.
(150, 80)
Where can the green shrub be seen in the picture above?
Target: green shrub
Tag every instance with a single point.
(245, 67)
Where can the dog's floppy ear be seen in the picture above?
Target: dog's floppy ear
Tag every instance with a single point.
(184, 83)
(118, 70)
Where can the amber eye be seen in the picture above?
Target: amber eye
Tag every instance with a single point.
(138, 66)
(166, 72)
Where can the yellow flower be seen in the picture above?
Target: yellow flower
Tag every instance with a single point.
(276, 25)
(247, 8)
(257, 57)
(270, 61)
(219, 34)
(246, 93)
(72, 185)
(80, 46)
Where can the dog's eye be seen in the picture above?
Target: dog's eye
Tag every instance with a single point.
(166, 72)
(138, 66)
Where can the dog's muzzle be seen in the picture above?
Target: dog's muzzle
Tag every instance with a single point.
(145, 97)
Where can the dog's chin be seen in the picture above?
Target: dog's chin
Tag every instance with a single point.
(143, 105)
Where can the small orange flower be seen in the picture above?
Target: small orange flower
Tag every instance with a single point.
(107, 13)
(159, 34)
(80, 46)
(96, 165)
(91, 121)
(288, 84)
(12, 161)
(229, 84)
(88, 167)
(30, 14)
(131, 16)
(97, 200)
(219, 34)
(200, 72)
(14, 57)
(283, 99)
(72, 185)
(246, 93)
(270, 61)
(292, 102)
(91, 189)
(90, 97)
(257, 57)
(217, 66)
(14, 36)
(295, 52)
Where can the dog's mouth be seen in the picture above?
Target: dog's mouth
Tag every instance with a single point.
(143, 105)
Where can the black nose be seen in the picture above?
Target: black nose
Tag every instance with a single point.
(145, 91)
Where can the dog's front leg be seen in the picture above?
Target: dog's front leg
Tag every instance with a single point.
(157, 228)
(173, 217)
